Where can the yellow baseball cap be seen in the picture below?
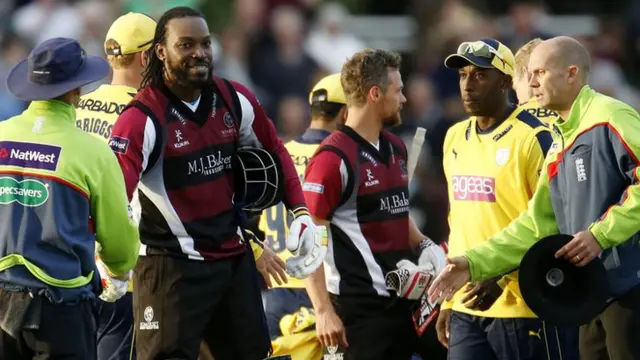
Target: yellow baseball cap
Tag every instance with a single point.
(328, 89)
(133, 32)
(485, 53)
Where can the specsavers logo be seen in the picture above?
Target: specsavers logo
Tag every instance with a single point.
(26, 192)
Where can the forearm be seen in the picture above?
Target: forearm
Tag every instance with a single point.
(116, 232)
(316, 282)
(294, 198)
(620, 222)
(417, 239)
(415, 235)
(504, 251)
(317, 291)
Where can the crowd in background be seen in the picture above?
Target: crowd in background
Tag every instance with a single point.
(279, 48)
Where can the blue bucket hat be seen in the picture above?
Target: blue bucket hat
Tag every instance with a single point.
(53, 68)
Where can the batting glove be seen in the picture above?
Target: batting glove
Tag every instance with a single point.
(409, 281)
(432, 254)
(112, 289)
(308, 242)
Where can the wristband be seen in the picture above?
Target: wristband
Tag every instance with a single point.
(257, 249)
(425, 243)
(299, 211)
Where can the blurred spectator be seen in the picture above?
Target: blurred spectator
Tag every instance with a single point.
(250, 16)
(233, 62)
(12, 50)
(632, 42)
(96, 17)
(155, 8)
(606, 75)
(329, 33)
(293, 117)
(423, 108)
(279, 48)
(524, 16)
(45, 19)
(285, 70)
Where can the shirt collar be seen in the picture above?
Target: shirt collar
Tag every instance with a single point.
(578, 109)
(61, 109)
(313, 136)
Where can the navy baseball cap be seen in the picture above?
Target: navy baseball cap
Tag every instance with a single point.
(485, 53)
(53, 68)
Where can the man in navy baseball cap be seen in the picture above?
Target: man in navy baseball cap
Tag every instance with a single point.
(70, 188)
(54, 68)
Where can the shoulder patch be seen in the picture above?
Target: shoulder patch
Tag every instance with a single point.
(313, 187)
(119, 144)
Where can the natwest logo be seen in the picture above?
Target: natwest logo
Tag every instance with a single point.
(474, 188)
(29, 155)
(210, 164)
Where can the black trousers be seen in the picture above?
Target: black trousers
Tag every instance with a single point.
(178, 303)
(615, 333)
(379, 328)
(64, 332)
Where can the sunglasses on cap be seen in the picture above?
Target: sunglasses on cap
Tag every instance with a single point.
(479, 49)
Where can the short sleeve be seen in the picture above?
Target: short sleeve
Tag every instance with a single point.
(132, 140)
(324, 183)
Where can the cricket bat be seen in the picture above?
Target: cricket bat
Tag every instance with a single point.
(423, 312)
(414, 152)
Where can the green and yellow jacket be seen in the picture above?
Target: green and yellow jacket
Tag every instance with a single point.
(61, 191)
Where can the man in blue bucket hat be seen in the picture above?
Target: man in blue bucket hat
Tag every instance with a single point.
(60, 193)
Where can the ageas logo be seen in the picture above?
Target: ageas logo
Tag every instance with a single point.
(474, 188)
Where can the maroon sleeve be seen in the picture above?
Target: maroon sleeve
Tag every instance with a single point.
(257, 130)
(323, 184)
(128, 143)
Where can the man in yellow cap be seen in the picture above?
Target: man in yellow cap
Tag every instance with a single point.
(288, 309)
(126, 45)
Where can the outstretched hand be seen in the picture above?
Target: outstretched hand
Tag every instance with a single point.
(450, 280)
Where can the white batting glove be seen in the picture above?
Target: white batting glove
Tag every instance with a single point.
(112, 289)
(410, 281)
(308, 242)
(433, 254)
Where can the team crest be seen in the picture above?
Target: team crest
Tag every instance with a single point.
(228, 120)
(502, 156)
(403, 167)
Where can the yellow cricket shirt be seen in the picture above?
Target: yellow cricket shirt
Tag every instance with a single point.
(98, 110)
(491, 176)
(549, 117)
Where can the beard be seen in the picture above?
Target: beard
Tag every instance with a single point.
(186, 73)
(392, 120)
